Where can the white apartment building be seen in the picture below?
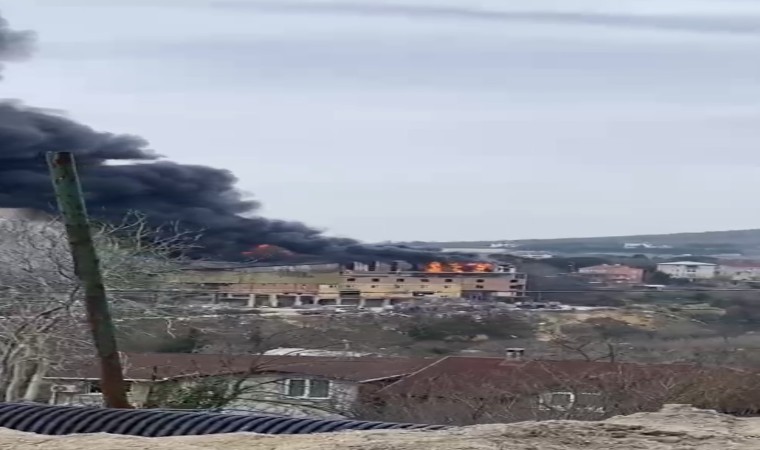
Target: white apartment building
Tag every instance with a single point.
(689, 270)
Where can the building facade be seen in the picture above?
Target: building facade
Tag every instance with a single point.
(689, 270)
(282, 385)
(613, 273)
(362, 284)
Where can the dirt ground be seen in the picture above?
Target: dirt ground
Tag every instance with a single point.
(675, 427)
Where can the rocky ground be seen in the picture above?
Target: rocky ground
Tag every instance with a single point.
(675, 427)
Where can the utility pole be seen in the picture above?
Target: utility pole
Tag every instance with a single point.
(87, 268)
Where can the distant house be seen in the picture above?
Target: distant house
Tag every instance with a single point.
(455, 389)
(271, 384)
(740, 270)
(470, 389)
(689, 270)
(613, 273)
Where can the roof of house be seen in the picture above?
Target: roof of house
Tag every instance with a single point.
(479, 374)
(686, 263)
(162, 366)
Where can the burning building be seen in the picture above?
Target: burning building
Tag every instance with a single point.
(473, 280)
(362, 284)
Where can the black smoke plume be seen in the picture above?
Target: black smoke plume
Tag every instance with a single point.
(197, 197)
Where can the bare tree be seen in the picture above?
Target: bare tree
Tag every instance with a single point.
(598, 339)
(241, 372)
(40, 296)
(245, 382)
(548, 394)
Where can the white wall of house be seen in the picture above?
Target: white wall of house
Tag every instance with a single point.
(82, 394)
(281, 394)
(298, 396)
(689, 270)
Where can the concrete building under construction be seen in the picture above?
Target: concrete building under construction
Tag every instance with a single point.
(356, 284)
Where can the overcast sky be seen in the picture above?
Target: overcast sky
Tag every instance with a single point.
(436, 120)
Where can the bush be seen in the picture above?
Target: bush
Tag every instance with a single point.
(437, 329)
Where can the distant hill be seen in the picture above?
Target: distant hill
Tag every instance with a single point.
(736, 237)
(733, 241)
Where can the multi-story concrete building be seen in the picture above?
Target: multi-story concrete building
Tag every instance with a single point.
(359, 284)
(404, 285)
(689, 270)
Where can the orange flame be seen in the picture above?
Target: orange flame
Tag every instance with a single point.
(267, 250)
(434, 267)
(457, 267)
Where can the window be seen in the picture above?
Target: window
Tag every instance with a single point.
(93, 387)
(350, 279)
(374, 286)
(560, 401)
(424, 280)
(564, 401)
(296, 388)
(478, 286)
(376, 280)
(448, 280)
(479, 281)
(399, 280)
(307, 388)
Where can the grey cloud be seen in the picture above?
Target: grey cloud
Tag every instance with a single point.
(14, 44)
(198, 197)
(723, 24)
(538, 130)
(566, 70)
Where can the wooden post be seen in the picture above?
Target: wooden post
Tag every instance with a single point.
(86, 266)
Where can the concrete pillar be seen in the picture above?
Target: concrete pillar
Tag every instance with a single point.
(251, 300)
(315, 300)
(362, 301)
(386, 302)
(273, 300)
(338, 301)
(298, 301)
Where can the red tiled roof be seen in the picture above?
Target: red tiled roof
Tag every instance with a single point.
(478, 374)
(157, 366)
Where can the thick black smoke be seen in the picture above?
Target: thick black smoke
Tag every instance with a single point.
(195, 196)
